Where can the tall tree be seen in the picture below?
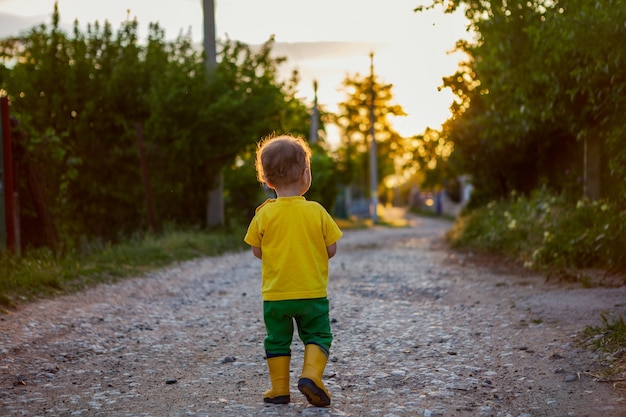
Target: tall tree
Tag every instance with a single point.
(353, 118)
(201, 124)
(35, 81)
(536, 84)
(80, 99)
(584, 55)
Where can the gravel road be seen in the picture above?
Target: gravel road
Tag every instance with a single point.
(419, 331)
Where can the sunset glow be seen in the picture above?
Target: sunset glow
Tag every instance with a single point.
(411, 50)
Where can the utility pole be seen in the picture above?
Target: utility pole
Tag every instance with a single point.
(314, 117)
(209, 34)
(215, 209)
(373, 149)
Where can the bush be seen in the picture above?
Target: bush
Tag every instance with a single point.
(545, 231)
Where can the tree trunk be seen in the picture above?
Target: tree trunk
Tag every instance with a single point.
(215, 212)
(41, 208)
(593, 168)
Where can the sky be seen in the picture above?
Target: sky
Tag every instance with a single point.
(325, 40)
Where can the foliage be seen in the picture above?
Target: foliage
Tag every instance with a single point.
(41, 273)
(542, 79)
(85, 100)
(197, 134)
(403, 163)
(612, 331)
(243, 193)
(545, 231)
(586, 84)
(431, 152)
(324, 185)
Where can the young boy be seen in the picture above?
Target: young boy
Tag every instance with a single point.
(294, 238)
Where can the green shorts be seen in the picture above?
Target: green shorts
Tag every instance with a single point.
(311, 317)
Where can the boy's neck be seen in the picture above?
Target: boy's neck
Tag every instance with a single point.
(291, 190)
(283, 194)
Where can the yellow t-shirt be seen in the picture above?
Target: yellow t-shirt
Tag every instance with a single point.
(293, 235)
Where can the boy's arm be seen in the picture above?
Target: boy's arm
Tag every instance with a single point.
(332, 250)
(257, 252)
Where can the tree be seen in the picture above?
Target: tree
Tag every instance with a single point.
(80, 98)
(584, 56)
(537, 82)
(353, 118)
(206, 121)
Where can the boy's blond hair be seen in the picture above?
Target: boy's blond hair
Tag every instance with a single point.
(281, 160)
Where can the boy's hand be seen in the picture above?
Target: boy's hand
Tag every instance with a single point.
(332, 250)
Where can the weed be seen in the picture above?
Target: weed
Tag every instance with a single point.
(610, 337)
(611, 334)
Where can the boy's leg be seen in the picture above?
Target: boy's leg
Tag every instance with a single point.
(279, 326)
(313, 323)
(314, 330)
(310, 382)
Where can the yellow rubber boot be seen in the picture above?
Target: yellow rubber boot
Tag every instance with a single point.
(310, 382)
(279, 375)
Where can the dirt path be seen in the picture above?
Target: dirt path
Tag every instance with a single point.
(419, 331)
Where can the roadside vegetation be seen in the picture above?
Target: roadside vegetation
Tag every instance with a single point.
(41, 274)
(581, 242)
(546, 232)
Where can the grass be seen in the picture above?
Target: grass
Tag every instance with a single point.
(610, 338)
(41, 274)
